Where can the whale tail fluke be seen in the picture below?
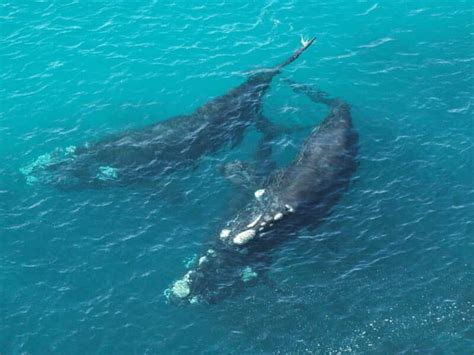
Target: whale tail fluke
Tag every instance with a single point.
(294, 56)
(266, 75)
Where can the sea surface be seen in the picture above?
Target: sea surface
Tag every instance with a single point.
(389, 271)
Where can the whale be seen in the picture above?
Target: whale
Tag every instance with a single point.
(145, 154)
(296, 197)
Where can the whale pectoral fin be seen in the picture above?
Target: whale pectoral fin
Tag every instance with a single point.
(272, 130)
(236, 140)
(266, 166)
(315, 95)
(269, 129)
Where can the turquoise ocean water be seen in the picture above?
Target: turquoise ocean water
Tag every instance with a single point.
(390, 270)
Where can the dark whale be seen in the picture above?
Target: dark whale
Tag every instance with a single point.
(295, 198)
(144, 154)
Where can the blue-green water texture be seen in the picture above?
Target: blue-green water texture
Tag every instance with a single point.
(389, 271)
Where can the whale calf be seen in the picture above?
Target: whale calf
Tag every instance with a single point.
(295, 198)
(144, 154)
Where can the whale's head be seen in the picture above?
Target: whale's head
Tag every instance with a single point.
(216, 275)
(68, 168)
(43, 169)
(239, 256)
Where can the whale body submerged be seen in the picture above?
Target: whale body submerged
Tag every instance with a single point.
(297, 197)
(144, 154)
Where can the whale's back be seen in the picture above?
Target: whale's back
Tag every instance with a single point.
(326, 161)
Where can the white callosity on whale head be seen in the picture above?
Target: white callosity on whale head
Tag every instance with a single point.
(40, 163)
(248, 274)
(45, 160)
(278, 216)
(190, 262)
(211, 252)
(244, 237)
(202, 260)
(254, 222)
(259, 193)
(31, 180)
(187, 276)
(181, 289)
(70, 150)
(107, 173)
(194, 300)
(224, 234)
(289, 208)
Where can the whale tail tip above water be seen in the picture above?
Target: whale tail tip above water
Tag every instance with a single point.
(306, 43)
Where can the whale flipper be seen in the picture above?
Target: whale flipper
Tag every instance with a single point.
(313, 94)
